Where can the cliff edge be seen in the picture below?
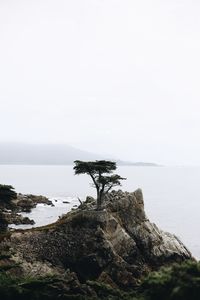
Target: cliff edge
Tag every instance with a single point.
(117, 245)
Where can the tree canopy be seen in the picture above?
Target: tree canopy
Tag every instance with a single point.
(96, 170)
(7, 193)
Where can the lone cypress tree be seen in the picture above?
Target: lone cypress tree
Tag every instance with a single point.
(97, 170)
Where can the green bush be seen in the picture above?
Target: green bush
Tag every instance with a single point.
(179, 282)
(106, 292)
(7, 193)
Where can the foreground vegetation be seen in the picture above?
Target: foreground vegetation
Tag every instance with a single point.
(178, 282)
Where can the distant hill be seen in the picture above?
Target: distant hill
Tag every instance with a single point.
(42, 154)
(137, 164)
(49, 154)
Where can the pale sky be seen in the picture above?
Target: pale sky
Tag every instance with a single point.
(118, 77)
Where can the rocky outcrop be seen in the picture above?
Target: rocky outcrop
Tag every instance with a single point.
(17, 219)
(11, 210)
(26, 203)
(153, 244)
(116, 245)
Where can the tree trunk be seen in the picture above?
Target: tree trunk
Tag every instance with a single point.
(98, 200)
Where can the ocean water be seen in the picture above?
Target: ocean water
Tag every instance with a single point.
(171, 194)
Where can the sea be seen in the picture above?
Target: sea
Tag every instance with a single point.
(171, 194)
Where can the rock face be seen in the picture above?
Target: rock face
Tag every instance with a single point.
(116, 245)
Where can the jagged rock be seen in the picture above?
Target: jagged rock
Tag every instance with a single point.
(17, 219)
(117, 244)
(26, 203)
(23, 203)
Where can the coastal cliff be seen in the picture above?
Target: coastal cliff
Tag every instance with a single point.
(117, 245)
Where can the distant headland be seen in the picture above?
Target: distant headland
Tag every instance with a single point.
(50, 154)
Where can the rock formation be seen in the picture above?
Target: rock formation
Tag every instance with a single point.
(23, 203)
(116, 245)
(26, 203)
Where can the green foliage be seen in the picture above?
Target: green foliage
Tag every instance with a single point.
(93, 167)
(96, 170)
(51, 287)
(106, 292)
(3, 223)
(7, 193)
(12, 288)
(179, 282)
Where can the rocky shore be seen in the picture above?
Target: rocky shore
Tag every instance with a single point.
(116, 246)
(23, 203)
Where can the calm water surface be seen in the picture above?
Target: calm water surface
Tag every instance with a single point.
(171, 194)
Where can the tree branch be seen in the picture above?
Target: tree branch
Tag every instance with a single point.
(94, 180)
(110, 187)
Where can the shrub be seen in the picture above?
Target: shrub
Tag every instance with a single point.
(179, 282)
(7, 193)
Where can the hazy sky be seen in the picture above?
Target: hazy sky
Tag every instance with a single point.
(119, 77)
